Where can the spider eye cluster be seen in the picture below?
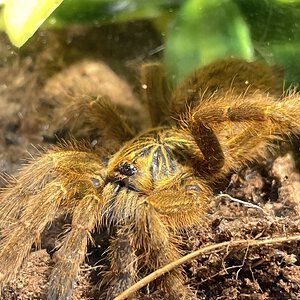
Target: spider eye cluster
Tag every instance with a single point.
(126, 169)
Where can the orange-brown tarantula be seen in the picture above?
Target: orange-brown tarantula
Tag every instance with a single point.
(158, 181)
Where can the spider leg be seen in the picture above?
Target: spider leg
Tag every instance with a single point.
(85, 116)
(61, 178)
(90, 99)
(156, 92)
(210, 146)
(165, 212)
(154, 247)
(123, 268)
(73, 246)
(218, 77)
(258, 119)
(119, 218)
(18, 236)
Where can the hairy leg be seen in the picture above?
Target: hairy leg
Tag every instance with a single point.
(166, 211)
(217, 78)
(258, 120)
(86, 116)
(123, 263)
(156, 92)
(73, 246)
(61, 178)
(18, 236)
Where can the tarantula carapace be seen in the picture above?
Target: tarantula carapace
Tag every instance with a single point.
(157, 183)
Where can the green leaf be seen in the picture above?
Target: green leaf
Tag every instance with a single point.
(204, 31)
(22, 18)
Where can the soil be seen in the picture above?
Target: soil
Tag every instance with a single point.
(85, 60)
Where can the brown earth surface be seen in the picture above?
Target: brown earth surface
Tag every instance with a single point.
(79, 58)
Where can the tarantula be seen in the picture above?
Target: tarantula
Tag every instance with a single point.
(155, 184)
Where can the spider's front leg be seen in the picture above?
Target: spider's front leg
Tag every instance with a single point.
(66, 178)
(148, 237)
(245, 127)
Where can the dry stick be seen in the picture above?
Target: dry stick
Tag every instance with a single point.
(167, 268)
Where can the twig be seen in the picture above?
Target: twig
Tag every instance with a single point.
(167, 268)
(245, 203)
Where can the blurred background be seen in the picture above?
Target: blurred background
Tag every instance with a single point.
(192, 33)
